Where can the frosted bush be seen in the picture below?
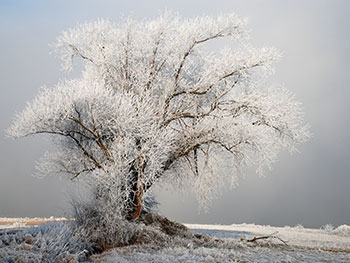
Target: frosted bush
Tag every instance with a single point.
(50, 242)
(328, 228)
(343, 230)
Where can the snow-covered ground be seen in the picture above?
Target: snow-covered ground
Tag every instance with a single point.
(278, 244)
(327, 238)
(241, 243)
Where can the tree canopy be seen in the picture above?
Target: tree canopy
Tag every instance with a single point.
(154, 101)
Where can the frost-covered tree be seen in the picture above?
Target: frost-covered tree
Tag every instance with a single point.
(155, 102)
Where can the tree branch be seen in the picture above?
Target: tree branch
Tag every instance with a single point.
(95, 135)
(273, 235)
(205, 91)
(153, 72)
(179, 69)
(77, 52)
(85, 152)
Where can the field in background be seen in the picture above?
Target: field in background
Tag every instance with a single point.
(15, 223)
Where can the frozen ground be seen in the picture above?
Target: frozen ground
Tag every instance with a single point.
(286, 244)
(242, 243)
(327, 238)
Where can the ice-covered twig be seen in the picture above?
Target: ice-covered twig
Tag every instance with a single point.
(273, 235)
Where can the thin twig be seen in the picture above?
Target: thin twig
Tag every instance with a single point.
(273, 235)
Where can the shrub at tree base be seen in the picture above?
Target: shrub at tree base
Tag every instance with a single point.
(76, 242)
(103, 230)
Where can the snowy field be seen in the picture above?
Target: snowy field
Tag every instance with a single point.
(287, 244)
(241, 243)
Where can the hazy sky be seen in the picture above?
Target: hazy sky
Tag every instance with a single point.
(309, 188)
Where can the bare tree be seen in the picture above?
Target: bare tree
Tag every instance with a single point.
(154, 102)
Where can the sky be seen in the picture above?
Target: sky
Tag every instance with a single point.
(310, 188)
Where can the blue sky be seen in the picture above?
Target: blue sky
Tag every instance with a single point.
(309, 188)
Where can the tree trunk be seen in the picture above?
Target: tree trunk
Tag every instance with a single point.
(136, 190)
(136, 204)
